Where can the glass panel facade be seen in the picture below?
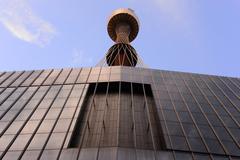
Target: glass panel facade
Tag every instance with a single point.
(132, 111)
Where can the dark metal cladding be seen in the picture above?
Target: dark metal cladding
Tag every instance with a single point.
(118, 113)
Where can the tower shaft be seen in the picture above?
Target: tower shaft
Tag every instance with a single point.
(123, 31)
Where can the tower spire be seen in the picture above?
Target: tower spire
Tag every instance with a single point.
(123, 27)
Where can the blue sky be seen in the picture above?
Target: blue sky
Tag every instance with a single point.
(200, 36)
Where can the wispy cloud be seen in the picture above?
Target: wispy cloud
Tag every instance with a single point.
(79, 57)
(18, 18)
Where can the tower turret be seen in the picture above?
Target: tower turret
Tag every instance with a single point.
(123, 27)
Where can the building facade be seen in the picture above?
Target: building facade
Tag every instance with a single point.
(118, 111)
(124, 112)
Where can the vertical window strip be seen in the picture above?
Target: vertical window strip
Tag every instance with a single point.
(81, 139)
(188, 111)
(148, 117)
(106, 107)
(182, 129)
(215, 133)
(161, 109)
(133, 118)
(82, 96)
(45, 114)
(118, 108)
(59, 114)
(219, 117)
